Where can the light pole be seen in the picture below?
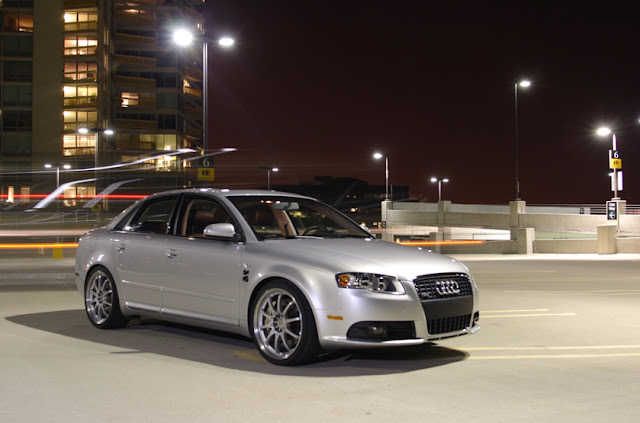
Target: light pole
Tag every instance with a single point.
(184, 37)
(439, 181)
(378, 156)
(613, 155)
(269, 170)
(57, 166)
(524, 84)
(97, 131)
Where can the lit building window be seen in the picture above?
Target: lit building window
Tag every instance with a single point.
(80, 72)
(74, 46)
(80, 21)
(79, 145)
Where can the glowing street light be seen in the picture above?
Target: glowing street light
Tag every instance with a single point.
(614, 159)
(378, 156)
(57, 166)
(269, 170)
(439, 181)
(183, 38)
(523, 84)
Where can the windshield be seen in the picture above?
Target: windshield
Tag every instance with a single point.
(289, 217)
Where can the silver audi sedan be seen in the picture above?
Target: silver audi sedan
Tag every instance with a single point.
(295, 275)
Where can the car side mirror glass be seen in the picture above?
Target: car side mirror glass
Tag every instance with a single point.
(221, 230)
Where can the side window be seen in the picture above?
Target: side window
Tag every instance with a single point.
(199, 213)
(154, 217)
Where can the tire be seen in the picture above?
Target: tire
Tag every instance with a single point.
(283, 326)
(101, 300)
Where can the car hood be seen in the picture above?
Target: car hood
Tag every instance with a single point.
(358, 255)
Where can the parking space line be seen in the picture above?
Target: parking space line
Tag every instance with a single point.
(607, 292)
(554, 349)
(574, 356)
(576, 347)
(484, 316)
(531, 310)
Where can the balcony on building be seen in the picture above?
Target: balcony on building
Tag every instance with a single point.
(126, 59)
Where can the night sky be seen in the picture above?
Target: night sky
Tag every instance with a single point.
(315, 87)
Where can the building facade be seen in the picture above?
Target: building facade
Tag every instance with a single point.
(95, 83)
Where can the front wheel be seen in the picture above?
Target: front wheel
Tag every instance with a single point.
(283, 326)
(101, 300)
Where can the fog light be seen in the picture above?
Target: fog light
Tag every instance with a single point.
(382, 331)
(378, 330)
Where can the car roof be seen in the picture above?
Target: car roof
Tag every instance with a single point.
(230, 192)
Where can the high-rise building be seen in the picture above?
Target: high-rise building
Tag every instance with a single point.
(72, 69)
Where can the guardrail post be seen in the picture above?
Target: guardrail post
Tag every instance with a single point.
(526, 236)
(443, 207)
(607, 239)
(516, 208)
(437, 237)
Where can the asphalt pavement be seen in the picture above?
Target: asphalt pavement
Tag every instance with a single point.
(559, 342)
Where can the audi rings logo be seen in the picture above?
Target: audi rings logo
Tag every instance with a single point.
(444, 288)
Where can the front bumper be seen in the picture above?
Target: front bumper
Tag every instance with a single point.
(377, 320)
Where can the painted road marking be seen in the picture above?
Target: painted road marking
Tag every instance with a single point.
(535, 312)
(538, 356)
(484, 316)
(607, 292)
(575, 355)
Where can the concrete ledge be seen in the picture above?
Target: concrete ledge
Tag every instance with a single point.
(607, 239)
(565, 246)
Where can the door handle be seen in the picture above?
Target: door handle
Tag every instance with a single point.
(171, 253)
(121, 247)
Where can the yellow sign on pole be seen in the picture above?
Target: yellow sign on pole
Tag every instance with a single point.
(615, 164)
(206, 174)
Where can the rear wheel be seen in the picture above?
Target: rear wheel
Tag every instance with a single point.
(101, 300)
(283, 326)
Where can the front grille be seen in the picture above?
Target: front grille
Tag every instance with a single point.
(443, 285)
(448, 324)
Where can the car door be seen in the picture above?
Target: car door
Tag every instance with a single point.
(202, 274)
(139, 248)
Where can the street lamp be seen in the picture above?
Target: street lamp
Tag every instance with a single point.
(183, 37)
(97, 131)
(269, 170)
(57, 166)
(378, 156)
(524, 84)
(614, 158)
(439, 181)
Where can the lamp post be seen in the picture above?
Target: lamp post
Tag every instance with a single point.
(613, 155)
(57, 166)
(184, 37)
(524, 84)
(439, 181)
(269, 170)
(97, 131)
(378, 156)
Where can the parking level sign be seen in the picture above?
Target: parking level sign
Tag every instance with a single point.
(612, 210)
(206, 174)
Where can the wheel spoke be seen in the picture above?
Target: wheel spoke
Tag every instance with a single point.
(278, 324)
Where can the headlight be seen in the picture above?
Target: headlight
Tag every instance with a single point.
(371, 282)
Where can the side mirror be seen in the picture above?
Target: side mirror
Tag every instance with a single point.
(221, 230)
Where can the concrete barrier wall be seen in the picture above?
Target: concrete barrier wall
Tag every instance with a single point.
(566, 246)
(578, 223)
(477, 220)
(516, 219)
